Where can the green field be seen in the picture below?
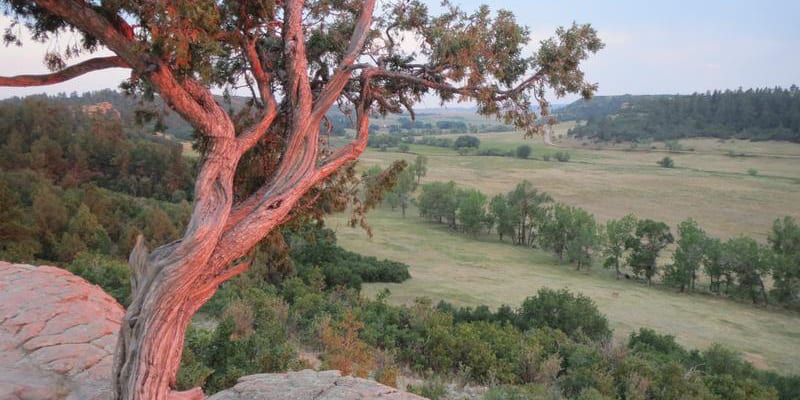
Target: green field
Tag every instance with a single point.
(706, 184)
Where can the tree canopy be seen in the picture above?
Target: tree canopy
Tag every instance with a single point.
(297, 59)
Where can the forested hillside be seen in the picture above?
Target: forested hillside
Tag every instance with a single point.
(72, 180)
(755, 114)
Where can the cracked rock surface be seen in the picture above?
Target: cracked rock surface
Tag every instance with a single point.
(57, 338)
(310, 385)
(57, 335)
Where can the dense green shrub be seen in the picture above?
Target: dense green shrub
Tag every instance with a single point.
(109, 273)
(339, 266)
(666, 162)
(523, 151)
(562, 156)
(575, 315)
(251, 338)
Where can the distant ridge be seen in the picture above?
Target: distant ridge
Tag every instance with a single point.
(754, 114)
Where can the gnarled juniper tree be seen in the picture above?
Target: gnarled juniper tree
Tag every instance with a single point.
(299, 59)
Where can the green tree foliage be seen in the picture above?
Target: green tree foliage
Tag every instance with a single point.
(314, 248)
(251, 338)
(749, 263)
(666, 162)
(712, 264)
(555, 342)
(757, 114)
(109, 273)
(785, 242)
(575, 315)
(404, 187)
(688, 257)
(71, 147)
(471, 211)
(571, 232)
(438, 202)
(503, 216)
(420, 167)
(465, 143)
(562, 156)
(673, 146)
(523, 151)
(649, 239)
(617, 234)
(53, 224)
(18, 239)
(527, 206)
(585, 239)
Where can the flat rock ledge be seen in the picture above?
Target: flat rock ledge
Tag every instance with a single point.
(308, 385)
(57, 338)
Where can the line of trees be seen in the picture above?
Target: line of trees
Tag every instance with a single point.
(756, 114)
(738, 267)
(436, 126)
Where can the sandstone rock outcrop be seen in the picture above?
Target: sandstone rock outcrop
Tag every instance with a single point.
(57, 338)
(57, 335)
(307, 385)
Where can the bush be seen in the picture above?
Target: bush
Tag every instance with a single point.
(647, 340)
(562, 156)
(467, 141)
(752, 172)
(575, 315)
(666, 162)
(493, 153)
(508, 392)
(432, 389)
(112, 275)
(523, 151)
(251, 338)
(673, 146)
(342, 267)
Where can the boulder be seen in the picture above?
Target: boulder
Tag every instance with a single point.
(57, 335)
(308, 385)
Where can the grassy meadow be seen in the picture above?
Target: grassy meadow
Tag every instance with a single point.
(707, 184)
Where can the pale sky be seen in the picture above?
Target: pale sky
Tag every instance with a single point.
(663, 47)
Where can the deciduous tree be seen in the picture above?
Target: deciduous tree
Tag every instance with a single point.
(650, 238)
(297, 59)
(471, 210)
(420, 167)
(618, 233)
(688, 257)
(785, 241)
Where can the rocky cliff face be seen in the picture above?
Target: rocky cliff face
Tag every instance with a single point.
(57, 338)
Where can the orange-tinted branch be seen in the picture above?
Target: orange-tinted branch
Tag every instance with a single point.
(73, 71)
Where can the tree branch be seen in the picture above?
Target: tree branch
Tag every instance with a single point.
(116, 36)
(299, 90)
(352, 150)
(250, 137)
(334, 88)
(73, 71)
